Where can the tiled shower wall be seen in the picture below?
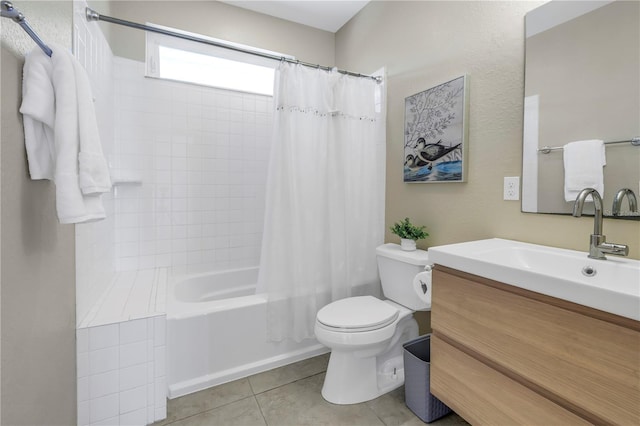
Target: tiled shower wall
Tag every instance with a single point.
(193, 161)
(120, 363)
(121, 373)
(189, 167)
(95, 247)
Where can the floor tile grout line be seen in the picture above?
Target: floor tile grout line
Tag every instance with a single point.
(212, 409)
(376, 414)
(286, 384)
(261, 412)
(250, 385)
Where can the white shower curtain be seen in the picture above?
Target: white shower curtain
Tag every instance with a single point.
(325, 196)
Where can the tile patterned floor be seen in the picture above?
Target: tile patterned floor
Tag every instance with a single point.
(289, 396)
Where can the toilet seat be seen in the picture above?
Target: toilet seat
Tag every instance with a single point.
(357, 314)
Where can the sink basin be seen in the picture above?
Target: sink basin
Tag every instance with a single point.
(611, 285)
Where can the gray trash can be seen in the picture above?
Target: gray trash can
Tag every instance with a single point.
(417, 396)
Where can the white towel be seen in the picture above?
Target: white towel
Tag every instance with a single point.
(94, 171)
(39, 113)
(583, 163)
(55, 91)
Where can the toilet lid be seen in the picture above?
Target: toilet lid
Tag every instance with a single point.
(361, 313)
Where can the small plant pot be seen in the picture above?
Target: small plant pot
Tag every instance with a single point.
(407, 244)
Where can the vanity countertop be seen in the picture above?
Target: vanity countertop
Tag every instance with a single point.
(611, 285)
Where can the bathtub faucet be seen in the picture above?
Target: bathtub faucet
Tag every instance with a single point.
(598, 246)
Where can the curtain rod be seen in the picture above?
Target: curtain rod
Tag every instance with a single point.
(547, 149)
(92, 15)
(8, 11)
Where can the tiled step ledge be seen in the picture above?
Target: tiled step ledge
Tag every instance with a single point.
(131, 295)
(121, 352)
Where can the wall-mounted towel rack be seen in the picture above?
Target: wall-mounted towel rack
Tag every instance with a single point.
(547, 149)
(8, 11)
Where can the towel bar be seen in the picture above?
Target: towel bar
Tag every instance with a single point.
(547, 149)
(8, 11)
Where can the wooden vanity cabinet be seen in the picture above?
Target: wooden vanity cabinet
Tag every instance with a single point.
(504, 355)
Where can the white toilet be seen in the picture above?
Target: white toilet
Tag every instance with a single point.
(366, 334)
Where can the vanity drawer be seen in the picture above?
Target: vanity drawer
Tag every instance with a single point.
(585, 364)
(483, 396)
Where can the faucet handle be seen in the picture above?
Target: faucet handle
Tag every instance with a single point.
(613, 248)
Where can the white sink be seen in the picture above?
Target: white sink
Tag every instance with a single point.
(611, 285)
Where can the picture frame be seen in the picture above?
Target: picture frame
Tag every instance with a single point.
(435, 134)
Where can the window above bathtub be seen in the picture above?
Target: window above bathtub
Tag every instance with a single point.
(176, 59)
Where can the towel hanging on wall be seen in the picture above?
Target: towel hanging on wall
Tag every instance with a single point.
(583, 167)
(61, 134)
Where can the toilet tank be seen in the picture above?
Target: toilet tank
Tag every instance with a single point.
(397, 269)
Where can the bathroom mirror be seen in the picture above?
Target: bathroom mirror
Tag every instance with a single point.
(581, 82)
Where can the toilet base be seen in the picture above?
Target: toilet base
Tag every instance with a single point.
(349, 382)
(351, 379)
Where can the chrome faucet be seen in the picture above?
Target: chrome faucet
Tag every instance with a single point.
(617, 201)
(598, 246)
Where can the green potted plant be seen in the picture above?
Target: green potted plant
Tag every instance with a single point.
(408, 233)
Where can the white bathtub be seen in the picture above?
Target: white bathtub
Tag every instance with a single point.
(216, 330)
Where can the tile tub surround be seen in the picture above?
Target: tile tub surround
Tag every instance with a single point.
(121, 372)
(121, 352)
(288, 395)
(202, 155)
(95, 246)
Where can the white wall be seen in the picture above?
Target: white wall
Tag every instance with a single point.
(37, 279)
(202, 156)
(424, 43)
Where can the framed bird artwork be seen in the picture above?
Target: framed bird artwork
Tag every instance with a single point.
(435, 133)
